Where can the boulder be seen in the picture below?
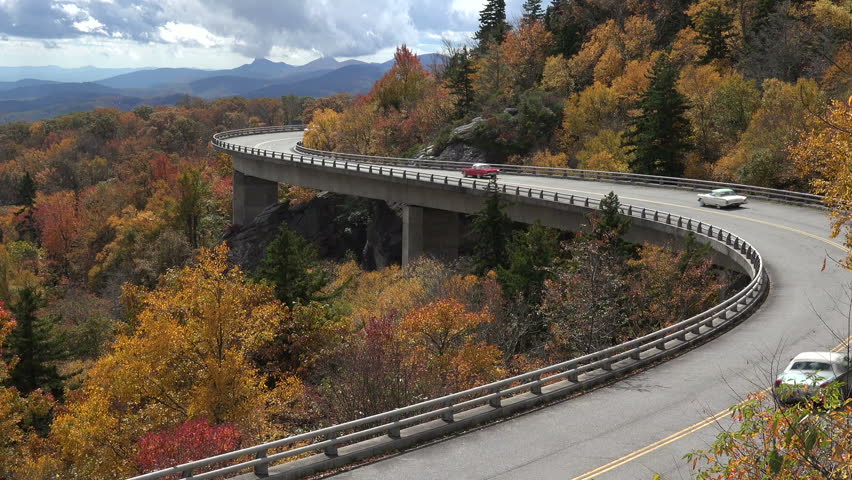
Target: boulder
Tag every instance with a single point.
(467, 131)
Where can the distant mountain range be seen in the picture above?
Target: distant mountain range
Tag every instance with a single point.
(33, 93)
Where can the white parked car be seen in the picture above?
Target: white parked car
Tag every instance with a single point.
(808, 372)
(722, 197)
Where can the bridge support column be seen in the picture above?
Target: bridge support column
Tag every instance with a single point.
(426, 231)
(251, 196)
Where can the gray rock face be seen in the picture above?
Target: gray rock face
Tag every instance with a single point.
(460, 152)
(336, 224)
(466, 132)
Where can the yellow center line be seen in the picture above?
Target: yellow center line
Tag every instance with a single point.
(675, 436)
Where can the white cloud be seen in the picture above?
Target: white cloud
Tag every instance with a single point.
(295, 31)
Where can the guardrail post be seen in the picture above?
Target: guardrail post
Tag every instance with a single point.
(331, 450)
(630, 210)
(587, 202)
(541, 194)
(572, 376)
(261, 470)
(496, 401)
(656, 216)
(636, 354)
(395, 432)
(186, 473)
(643, 212)
(607, 366)
(555, 196)
(447, 416)
(536, 388)
(403, 174)
(432, 178)
(571, 200)
(661, 346)
(517, 191)
(446, 179)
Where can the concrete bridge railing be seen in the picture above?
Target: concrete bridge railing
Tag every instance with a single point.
(362, 438)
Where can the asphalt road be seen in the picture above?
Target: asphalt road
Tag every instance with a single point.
(642, 425)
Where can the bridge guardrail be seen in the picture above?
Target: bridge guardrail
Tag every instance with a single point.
(549, 382)
(785, 196)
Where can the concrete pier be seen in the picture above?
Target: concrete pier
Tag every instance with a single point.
(251, 196)
(427, 231)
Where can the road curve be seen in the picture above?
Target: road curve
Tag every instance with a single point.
(642, 424)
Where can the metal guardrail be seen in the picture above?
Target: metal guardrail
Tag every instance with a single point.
(784, 196)
(554, 379)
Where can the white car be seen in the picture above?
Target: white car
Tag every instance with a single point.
(722, 197)
(808, 372)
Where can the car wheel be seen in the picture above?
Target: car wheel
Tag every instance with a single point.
(701, 201)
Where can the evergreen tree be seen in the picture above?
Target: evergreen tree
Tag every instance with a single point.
(290, 265)
(492, 228)
(532, 11)
(610, 225)
(36, 345)
(567, 33)
(459, 77)
(492, 23)
(659, 137)
(714, 29)
(530, 252)
(26, 191)
(609, 218)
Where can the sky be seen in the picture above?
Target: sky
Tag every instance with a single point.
(214, 34)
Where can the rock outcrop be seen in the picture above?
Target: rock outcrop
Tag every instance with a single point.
(338, 226)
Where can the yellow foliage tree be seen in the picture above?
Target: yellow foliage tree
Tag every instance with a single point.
(605, 151)
(544, 158)
(321, 130)
(188, 358)
(825, 156)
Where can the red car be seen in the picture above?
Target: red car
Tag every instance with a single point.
(481, 170)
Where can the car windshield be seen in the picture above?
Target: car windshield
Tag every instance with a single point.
(811, 366)
(481, 165)
(724, 192)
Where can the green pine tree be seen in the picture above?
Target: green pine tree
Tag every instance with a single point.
(659, 138)
(608, 224)
(714, 30)
(36, 345)
(26, 191)
(492, 228)
(530, 252)
(492, 23)
(532, 11)
(290, 265)
(459, 77)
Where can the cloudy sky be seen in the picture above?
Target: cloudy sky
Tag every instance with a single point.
(226, 33)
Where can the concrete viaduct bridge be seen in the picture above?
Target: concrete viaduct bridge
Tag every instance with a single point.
(630, 429)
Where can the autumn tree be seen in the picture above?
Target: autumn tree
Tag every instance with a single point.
(659, 137)
(321, 130)
(811, 439)
(492, 228)
(586, 301)
(404, 83)
(188, 357)
(492, 23)
(443, 334)
(670, 285)
(290, 267)
(761, 156)
(822, 155)
(525, 50)
(188, 441)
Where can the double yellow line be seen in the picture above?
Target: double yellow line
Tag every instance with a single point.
(675, 436)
